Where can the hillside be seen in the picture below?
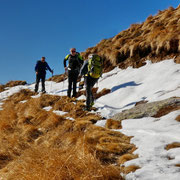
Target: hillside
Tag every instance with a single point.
(49, 136)
(156, 39)
(131, 133)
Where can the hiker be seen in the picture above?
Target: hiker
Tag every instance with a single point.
(74, 65)
(92, 70)
(40, 69)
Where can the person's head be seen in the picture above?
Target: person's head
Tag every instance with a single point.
(73, 51)
(43, 59)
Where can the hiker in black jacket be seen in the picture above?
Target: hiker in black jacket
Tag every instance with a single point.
(40, 69)
(74, 65)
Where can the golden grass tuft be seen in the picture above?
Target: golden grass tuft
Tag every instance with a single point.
(178, 118)
(129, 169)
(112, 124)
(165, 110)
(157, 38)
(58, 78)
(2, 88)
(15, 83)
(102, 93)
(172, 146)
(126, 157)
(40, 163)
(39, 144)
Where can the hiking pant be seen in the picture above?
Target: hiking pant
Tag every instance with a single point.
(72, 81)
(89, 82)
(38, 78)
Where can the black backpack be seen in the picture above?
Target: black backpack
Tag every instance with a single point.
(74, 63)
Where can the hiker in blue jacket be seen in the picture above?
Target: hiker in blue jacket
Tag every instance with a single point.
(40, 69)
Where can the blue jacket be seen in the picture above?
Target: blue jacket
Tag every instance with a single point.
(41, 67)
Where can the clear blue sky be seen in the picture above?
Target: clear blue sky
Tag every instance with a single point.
(30, 29)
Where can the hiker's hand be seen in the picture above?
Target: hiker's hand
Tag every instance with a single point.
(36, 73)
(66, 68)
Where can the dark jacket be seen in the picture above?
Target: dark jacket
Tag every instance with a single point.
(75, 62)
(41, 67)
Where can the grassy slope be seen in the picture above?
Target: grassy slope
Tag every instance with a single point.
(38, 144)
(157, 38)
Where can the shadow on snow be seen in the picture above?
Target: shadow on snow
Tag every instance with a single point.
(131, 83)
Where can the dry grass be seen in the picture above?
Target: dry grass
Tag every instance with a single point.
(15, 83)
(38, 144)
(172, 146)
(2, 87)
(52, 163)
(178, 118)
(166, 110)
(58, 78)
(112, 124)
(156, 39)
(126, 157)
(129, 169)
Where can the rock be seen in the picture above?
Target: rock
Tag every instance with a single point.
(153, 109)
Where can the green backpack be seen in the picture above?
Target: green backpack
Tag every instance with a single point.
(95, 66)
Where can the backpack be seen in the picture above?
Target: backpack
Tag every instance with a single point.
(95, 65)
(74, 63)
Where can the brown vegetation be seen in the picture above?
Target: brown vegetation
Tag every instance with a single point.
(12, 84)
(178, 118)
(38, 144)
(167, 109)
(58, 78)
(173, 145)
(113, 124)
(156, 39)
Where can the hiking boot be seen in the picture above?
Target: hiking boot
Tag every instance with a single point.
(43, 92)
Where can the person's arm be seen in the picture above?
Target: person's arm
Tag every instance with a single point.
(36, 67)
(47, 66)
(84, 68)
(65, 59)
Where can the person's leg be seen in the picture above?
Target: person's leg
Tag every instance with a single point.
(37, 83)
(75, 77)
(88, 91)
(43, 77)
(92, 83)
(70, 78)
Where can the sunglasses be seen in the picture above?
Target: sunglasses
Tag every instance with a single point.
(73, 51)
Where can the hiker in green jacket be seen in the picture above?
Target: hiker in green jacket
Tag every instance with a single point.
(75, 62)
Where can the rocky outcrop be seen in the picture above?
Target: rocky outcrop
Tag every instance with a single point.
(153, 109)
